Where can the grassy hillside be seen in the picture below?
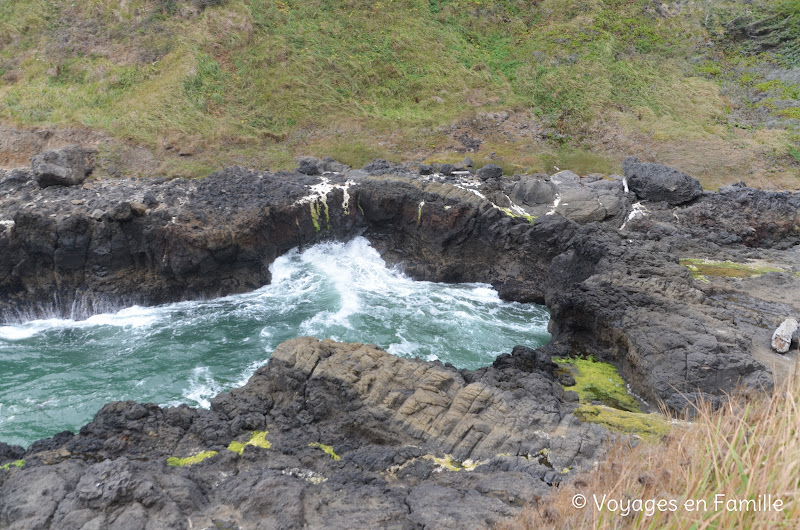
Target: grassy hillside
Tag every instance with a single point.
(527, 84)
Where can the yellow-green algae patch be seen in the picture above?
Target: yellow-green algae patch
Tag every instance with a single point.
(598, 381)
(327, 448)
(509, 212)
(315, 215)
(620, 411)
(189, 460)
(15, 463)
(447, 463)
(700, 269)
(623, 421)
(257, 439)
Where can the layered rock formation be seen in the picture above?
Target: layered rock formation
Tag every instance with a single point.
(681, 291)
(354, 437)
(604, 262)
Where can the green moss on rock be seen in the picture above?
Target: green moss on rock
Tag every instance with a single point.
(621, 412)
(598, 381)
(645, 425)
(189, 460)
(257, 439)
(701, 269)
(15, 463)
(315, 215)
(327, 448)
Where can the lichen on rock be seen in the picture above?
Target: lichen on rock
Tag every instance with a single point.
(189, 460)
(701, 269)
(257, 439)
(638, 423)
(15, 463)
(327, 448)
(445, 463)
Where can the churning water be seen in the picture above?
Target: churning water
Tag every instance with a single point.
(57, 373)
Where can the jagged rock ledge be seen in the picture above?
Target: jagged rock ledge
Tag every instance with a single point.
(603, 259)
(647, 276)
(326, 435)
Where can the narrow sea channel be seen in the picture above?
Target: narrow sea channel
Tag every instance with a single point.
(57, 373)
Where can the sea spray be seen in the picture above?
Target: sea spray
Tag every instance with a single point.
(57, 373)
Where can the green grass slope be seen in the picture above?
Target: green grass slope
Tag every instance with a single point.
(527, 84)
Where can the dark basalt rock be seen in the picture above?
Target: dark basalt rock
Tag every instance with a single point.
(607, 269)
(622, 296)
(386, 418)
(490, 171)
(14, 179)
(447, 169)
(532, 192)
(654, 182)
(61, 167)
(308, 166)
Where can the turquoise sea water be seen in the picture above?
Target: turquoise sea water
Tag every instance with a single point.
(56, 374)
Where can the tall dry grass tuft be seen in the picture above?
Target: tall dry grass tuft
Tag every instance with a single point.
(736, 467)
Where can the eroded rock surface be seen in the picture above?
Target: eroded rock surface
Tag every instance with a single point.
(605, 262)
(682, 296)
(61, 167)
(402, 436)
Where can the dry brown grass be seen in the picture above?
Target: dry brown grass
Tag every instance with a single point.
(744, 451)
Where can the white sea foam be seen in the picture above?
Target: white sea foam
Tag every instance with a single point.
(188, 352)
(202, 387)
(133, 317)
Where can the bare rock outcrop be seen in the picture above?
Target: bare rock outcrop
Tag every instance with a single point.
(61, 167)
(682, 294)
(351, 436)
(654, 182)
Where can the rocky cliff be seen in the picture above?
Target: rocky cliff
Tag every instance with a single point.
(679, 288)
